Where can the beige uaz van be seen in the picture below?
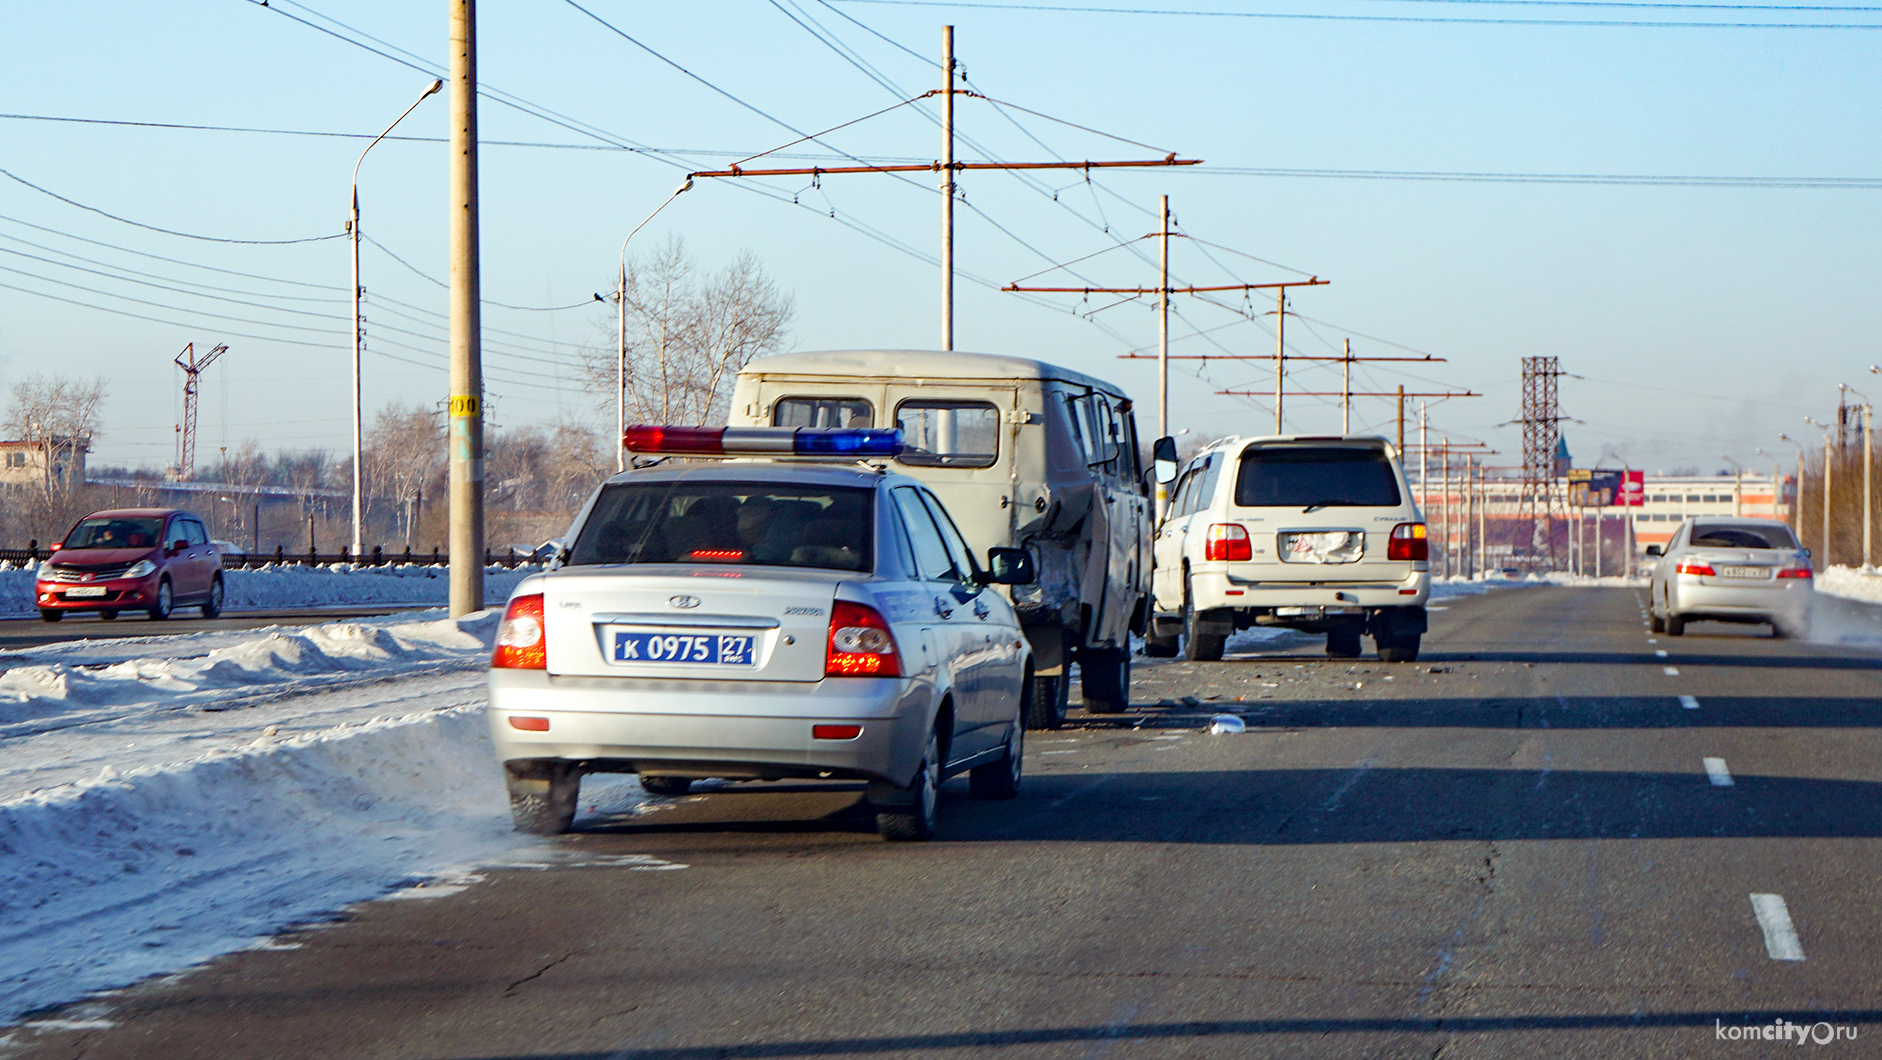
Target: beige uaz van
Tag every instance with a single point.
(1023, 454)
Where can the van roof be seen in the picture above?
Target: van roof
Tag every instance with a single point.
(918, 364)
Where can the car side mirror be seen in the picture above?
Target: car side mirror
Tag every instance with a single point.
(1163, 460)
(1806, 552)
(1655, 550)
(1008, 566)
(179, 545)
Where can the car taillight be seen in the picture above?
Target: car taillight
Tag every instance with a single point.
(520, 641)
(1793, 572)
(1408, 541)
(1227, 541)
(860, 643)
(1695, 567)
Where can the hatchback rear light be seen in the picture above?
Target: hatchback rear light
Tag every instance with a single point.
(1695, 567)
(1227, 541)
(1793, 572)
(860, 643)
(1408, 541)
(520, 641)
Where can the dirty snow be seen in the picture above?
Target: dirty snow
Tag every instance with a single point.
(271, 587)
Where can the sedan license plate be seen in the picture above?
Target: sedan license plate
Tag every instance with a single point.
(1744, 572)
(703, 649)
(84, 591)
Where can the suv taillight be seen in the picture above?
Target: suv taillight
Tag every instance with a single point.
(520, 641)
(1408, 541)
(860, 643)
(1227, 541)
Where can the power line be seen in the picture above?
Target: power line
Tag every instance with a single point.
(1415, 19)
(166, 231)
(1649, 180)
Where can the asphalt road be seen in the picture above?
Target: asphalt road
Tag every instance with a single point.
(1520, 846)
(32, 632)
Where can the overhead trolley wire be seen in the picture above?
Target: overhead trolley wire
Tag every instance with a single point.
(166, 231)
(1415, 19)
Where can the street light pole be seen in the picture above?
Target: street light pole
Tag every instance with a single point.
(359, 328)
(1738, 486)
(1797, 512)
(1868, 465)
(620, 297)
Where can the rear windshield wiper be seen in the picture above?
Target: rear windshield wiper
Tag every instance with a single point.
(1317, 505)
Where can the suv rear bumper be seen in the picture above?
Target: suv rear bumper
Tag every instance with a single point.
(1222, 588)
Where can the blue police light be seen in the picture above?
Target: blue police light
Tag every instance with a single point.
(824, 441)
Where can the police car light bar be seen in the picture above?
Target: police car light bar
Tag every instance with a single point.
(763, 441)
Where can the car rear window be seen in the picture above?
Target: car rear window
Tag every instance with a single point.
(1728, 535)
(118, 532)
(729, 523)
(1305, 476)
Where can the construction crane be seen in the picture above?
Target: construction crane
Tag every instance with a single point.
(186, 432)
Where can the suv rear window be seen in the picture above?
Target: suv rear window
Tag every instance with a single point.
(1726, 535)
(1315, 476)
(738, 523)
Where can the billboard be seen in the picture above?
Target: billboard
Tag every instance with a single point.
(1602, 488)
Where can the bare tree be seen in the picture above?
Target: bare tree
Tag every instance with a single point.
(688, 334)
(60, 417)
(404, 451)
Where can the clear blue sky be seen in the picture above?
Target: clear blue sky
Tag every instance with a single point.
(1704, 320)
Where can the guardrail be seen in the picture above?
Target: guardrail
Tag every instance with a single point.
(378, 557)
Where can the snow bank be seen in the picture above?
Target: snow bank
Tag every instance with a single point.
(265, 588)
(1851, 584)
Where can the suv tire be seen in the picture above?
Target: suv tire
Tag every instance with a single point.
(1105, 679)
(1045, 707)
(1343, 642)
(1161, 647)
(1198, 647)
(1402, 648)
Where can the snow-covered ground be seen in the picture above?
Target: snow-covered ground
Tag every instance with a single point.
(272, 587)
(1851, 583)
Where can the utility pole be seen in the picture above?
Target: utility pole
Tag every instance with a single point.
(1163, 343)
(466, 439)
(1829, 469)
(1424, 467)
(1444, 501)
(1401, 421)
(1280, 351)
(947, 189)
(1346, 389)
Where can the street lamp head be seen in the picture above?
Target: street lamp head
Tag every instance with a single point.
(688, 186)
(435, 86)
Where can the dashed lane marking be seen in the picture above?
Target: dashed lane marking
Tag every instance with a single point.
(1689, 702)
(1716, 772)
(1774, 917)
(1661, 652)
(1670, 671)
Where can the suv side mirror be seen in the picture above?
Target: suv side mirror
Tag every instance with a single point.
(1008, 566)
(1655, 550)
(1163, 460)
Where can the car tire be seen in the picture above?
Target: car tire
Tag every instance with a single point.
(1000, 780)
(1655, 624)
(166, 602)
(1343, 643)
(1045, 709)
(47, 614)
(1156, 647)
(212, 606)
(107, 616)
(669, 786)
(1675, 625)
(545, 805)
(915, 822)
(1198, 647)
(1105, 679)
(1402, 648)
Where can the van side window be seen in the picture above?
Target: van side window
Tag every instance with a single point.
(1131, 467)
(822, 412)
(940, 433)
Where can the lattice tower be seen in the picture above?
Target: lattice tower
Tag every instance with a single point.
(1542, 433)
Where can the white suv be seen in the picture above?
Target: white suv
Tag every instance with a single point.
(1318, 533)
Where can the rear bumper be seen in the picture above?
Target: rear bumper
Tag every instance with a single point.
(1786, 599)
(1224, 586)
(738, 729)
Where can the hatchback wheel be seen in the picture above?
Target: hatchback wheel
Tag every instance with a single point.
(916, 820)
(106, 616)
(47, 614)
(213, 606)
(166, 601)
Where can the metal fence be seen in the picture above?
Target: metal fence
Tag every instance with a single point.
(378, 557)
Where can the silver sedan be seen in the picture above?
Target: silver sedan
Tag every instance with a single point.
(1731, 570)
(762, 620)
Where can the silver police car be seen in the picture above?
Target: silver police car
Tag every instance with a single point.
(1731, 570)
(762, 619)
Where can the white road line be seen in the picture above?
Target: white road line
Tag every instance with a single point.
(1670, 671)
(1689, 702)
(1780, 938)
(1661, 652)
(1716, 772)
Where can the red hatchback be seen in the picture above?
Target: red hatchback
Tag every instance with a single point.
(132, 559)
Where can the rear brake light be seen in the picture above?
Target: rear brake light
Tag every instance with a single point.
(520, 641)
(1793, 572)
(716, 555)
(1408, 542)
(860, 643)
(528, 724)
(1227, 541)
(1694, 567)
(835, 732)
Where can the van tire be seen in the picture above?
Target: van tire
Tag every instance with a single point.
(1105, 679)
(1045, 708)
(1198, 647)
